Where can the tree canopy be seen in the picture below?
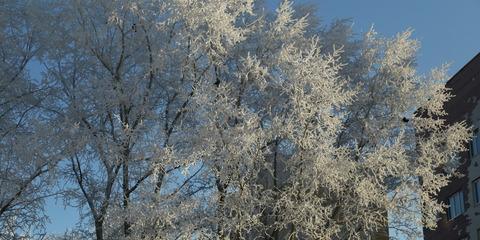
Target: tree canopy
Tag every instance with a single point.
(215, 119)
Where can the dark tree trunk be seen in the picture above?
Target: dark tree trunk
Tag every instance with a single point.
(99, 229)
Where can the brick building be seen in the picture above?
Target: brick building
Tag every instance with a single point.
(462, 220)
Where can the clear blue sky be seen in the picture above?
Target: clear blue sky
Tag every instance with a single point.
(447, 29)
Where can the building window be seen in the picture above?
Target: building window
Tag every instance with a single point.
(475, 144)
(456, 205)
(478, 234)
(476, 191)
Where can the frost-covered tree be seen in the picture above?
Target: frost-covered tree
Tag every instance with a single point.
(125, 74)
(27, 144)
(312, 129)
(218, 119)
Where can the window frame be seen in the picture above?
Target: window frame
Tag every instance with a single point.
(476, 191)
(459, 209)
(474, 145)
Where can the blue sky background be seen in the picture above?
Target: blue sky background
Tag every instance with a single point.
(447, 29)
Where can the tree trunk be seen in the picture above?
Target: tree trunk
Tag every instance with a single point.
(126, 190)
(221, 187)
(99, 229)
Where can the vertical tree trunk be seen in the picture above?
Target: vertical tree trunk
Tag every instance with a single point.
(99, 229)
(126, 189)
(275, 234)
(221, 187)
(126, 196)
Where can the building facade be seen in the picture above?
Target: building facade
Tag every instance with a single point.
(462, 219)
